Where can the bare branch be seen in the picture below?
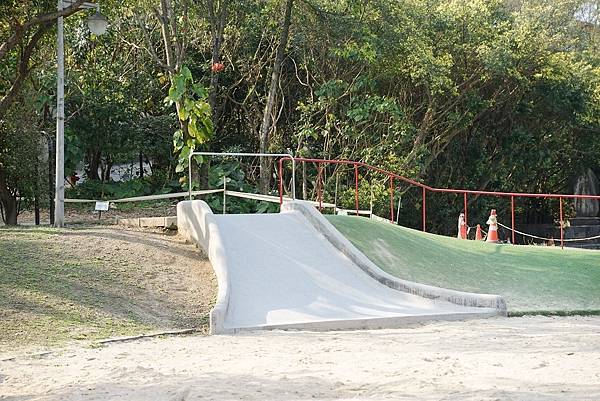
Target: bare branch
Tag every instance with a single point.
(150, 48)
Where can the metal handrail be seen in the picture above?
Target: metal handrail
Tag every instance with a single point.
(425, 188)
(282, 155)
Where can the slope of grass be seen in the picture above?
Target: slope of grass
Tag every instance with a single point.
(96, 282)
(532, 279)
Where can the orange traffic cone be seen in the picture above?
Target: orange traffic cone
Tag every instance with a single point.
(462, 227)
(478, 233)
(493, 230)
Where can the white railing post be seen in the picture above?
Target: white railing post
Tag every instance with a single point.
(224, 194)
(190, 174)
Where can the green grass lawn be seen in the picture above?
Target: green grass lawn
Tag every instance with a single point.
(47, 297)
(532, 279)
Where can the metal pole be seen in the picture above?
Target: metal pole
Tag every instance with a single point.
(465, 202)
(424, 209)
(335, 193)
(224, 194)
(562, 242)
(371, 202)
(293, 178)
(59, 188)
(356, 188)
(512, 216)
(190, 175)
(280, 183)
(319, 186)
(392, 199)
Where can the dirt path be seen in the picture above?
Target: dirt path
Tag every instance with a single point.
(529, 359)
(94, 282)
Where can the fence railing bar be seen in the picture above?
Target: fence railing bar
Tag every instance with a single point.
(147, 197)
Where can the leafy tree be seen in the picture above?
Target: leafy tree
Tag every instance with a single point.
(193, 112)
(23, 25)
(485, 94)
(22, 150)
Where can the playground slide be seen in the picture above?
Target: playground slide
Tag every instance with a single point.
(293, 270)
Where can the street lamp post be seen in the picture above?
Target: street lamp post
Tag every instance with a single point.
(97, 24)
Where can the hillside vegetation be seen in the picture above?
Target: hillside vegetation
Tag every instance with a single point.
(476, 94)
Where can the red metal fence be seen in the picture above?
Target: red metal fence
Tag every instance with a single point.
(425, 188)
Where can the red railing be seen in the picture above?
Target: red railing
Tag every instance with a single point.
(392, 176)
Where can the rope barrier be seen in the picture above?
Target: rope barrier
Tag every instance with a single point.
(550, 239)
(275, 199)
(474, 227)
(247, 195)
(148, 197)
(353, 211)
(271, 198)
(469, 228)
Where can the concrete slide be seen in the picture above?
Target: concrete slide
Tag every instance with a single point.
(293, 270)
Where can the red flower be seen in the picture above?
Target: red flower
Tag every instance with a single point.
(217, 67)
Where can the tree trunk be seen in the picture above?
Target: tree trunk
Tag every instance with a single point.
(204, 171)
(10, 213)
(51, 166)
(141, 165)
(36, 197)
(174, 48)
(8, 201)
(265, 128)
(93, 163)
(218, 19)
(106, 168)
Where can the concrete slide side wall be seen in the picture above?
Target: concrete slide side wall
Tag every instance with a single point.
(196, 222)
(345, 246)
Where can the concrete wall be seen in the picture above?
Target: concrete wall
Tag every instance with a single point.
(161, 222)
(196, 222)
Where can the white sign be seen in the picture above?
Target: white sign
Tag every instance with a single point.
(101, 206)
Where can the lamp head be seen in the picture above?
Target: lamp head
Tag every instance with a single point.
(97, 23)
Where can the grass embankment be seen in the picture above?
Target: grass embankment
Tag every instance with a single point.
(97, 282)
(532, 279)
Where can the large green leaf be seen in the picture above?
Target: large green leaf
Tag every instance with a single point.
(186, 73)
(200, 91)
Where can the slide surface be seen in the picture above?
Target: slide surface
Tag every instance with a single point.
(283, 273)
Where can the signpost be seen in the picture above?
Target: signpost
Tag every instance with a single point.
(101, 207)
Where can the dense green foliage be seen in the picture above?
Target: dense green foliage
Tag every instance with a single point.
(531, 279)
(194, 113)
(482, 94)
(22, 163)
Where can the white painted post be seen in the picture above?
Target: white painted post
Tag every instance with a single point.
(190, 175)
(224, 194)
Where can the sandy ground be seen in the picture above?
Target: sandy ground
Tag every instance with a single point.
(529, 358)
